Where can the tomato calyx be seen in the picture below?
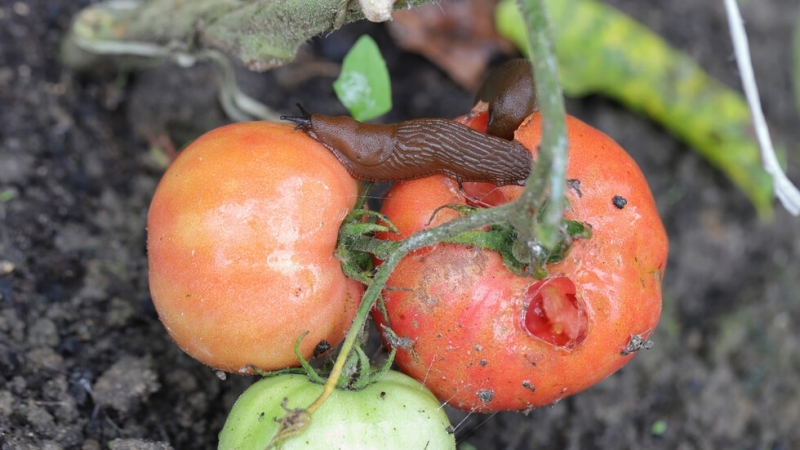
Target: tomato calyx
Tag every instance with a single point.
(357, 244)
(357, 374)
(292, 424)
(521, 257)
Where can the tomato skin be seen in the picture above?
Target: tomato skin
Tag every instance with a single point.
(396, 412)
(466, 313)
(241, 236)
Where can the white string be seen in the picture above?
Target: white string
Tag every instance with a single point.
(786, 192)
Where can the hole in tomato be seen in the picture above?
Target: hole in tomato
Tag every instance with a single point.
(555, 314)
(482, 195)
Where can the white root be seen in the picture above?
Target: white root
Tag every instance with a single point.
(787, 193)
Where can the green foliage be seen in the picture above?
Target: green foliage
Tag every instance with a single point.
(601, 50)
(364, 86)
(261, 33)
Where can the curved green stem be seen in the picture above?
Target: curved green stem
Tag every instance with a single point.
(416, 241)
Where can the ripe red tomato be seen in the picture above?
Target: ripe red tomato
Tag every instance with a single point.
(241, 236)
(485, 339)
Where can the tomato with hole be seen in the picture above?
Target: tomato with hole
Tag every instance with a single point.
(241, 236)
(484, 339)
(396, 412)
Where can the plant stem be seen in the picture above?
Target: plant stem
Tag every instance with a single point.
(548, 174)
(416, 241)
(551, 163)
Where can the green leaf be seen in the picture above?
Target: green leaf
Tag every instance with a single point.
(601, 50)
(363, 86)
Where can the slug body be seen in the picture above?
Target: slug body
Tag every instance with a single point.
(418, 148)
(511, 97)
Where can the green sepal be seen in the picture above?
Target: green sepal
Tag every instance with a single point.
(520, 257)
(312, 374)
(357, 244)
(363, 379)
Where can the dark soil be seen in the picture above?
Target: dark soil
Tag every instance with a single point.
(84, 359)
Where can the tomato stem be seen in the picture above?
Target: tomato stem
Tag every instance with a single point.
(416, 241)
(548, 176)
(549, 170)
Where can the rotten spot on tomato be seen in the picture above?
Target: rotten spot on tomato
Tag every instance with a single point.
(555, 314)
(486, 395)
(575, 185)
(619, 201)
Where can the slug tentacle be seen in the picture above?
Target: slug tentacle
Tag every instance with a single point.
(303, 122)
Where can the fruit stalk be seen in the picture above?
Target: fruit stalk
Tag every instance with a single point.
(551, 163)
(548, 176)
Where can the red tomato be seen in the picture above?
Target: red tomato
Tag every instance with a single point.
(241, 235)
(485, 339)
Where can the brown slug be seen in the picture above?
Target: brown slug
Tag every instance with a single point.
(511, 97)
(417, 148)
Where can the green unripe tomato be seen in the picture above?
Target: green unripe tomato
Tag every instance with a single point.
(396, 412)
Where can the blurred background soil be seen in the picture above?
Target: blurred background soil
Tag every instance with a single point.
(84, 359)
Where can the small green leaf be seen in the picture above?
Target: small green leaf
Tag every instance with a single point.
(364, 86)
(312, 374)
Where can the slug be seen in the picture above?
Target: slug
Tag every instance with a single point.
(511, 97)
(416, 149)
